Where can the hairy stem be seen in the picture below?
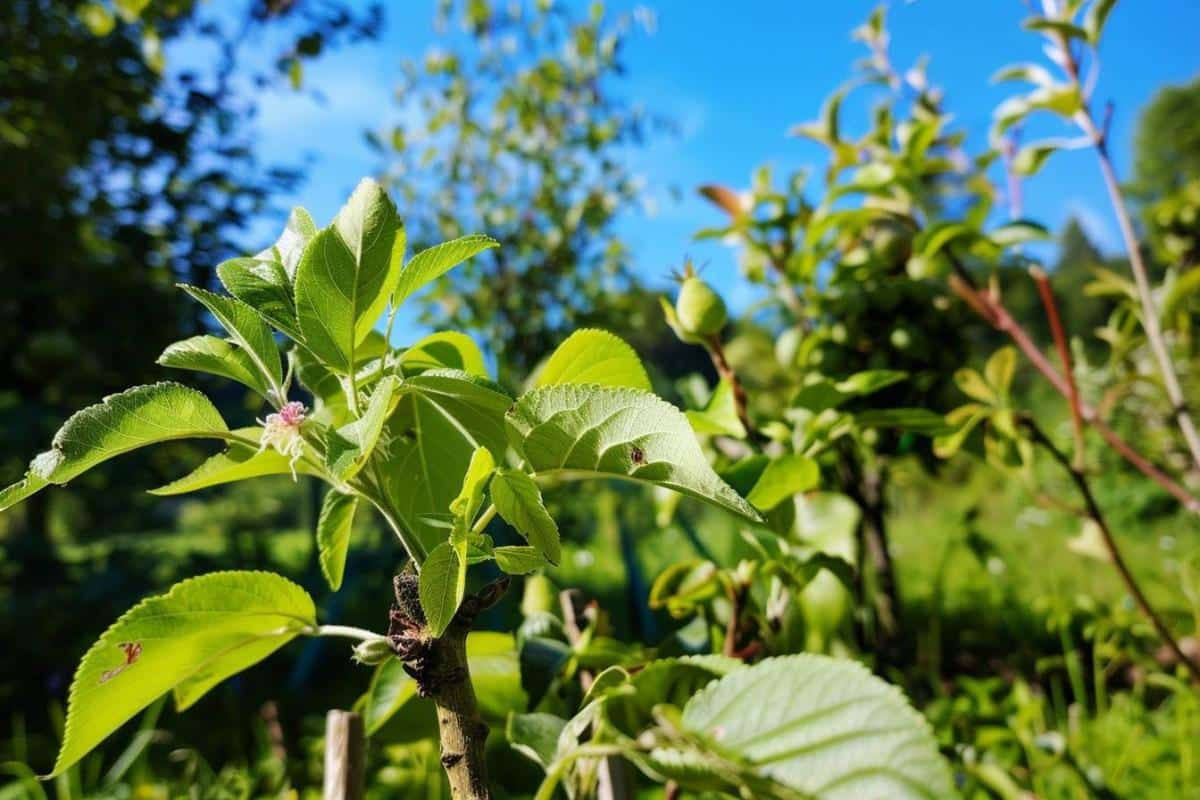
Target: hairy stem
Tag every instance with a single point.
(1110, 545)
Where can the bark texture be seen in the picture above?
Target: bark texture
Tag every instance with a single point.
(439, 667)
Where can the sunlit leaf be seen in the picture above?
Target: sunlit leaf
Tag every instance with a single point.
(334, 526)
(594, 356)
(824, 726)
(199, 633)
(617, 432)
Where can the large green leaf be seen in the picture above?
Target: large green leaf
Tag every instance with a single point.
(442, 587)
(289, 247)
(134, 418)
(216, 356)
(617, 432)
(824, 726)
(248, 330)
(444, 350)
(346, 274)
(266, 288)
(519, 559)
(594, 356)
(334, 526)
(199, 633)
(431, 264)
(441, 417)
(240, 461)
(719, 416)
(782, 478)
(519, 502)
(348, 448)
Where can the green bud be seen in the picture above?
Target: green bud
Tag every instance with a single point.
(701, 311)
(372, 651)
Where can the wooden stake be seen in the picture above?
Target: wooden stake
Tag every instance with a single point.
(345, 756)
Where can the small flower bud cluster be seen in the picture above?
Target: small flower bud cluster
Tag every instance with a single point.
(281, 432)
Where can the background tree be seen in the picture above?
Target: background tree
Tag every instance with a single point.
(520, 131)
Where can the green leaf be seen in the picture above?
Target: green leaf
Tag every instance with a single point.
(248, 330)
(348, 448)
(973, 385)
(1019, 232)
(1000, 368)
(347, 273)
(917, 420)
(239, 462)
(617, 432)
(428, 265)
(136, 417)
(1060, 27)
(1029, 159)
(720, 415)
(826, 727)
(594, 356)
(199, 633)
(535, 736)
(442, 587)
(17, 492)
(1032, 73)
(441, 417)
(519, 502)
(466, 505)
(1095, 19)
(333, 535)
(822, 394)
(289, 248)
(216, 356)
(444, 350)
(864, 383)
(266, 288)
(519, 560)
(784, 477)
(391, 687)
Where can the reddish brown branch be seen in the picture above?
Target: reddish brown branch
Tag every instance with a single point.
(726, 373)
(991, 308)
(1064, 355)
(1114, 551)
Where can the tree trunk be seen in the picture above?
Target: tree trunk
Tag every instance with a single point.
(875, 537)
(462, 731)
(867, 486)
(440, 669)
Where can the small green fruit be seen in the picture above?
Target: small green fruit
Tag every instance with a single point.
(701, 311)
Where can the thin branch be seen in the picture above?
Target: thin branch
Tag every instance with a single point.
(1064, 355)
(1137, 265)
(1110, 545)
(726, 373)
(992, 309)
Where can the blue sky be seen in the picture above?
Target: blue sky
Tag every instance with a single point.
(735, 82)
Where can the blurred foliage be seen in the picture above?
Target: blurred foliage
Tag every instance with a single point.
(520, 130)
(1025, 653)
